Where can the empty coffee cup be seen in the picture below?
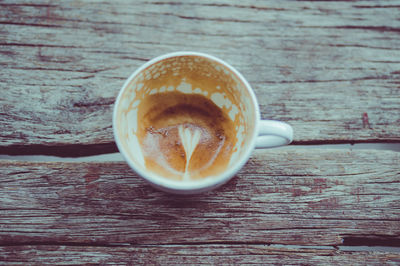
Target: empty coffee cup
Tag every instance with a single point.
(187, 122)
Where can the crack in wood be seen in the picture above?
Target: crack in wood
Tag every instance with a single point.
(253, 7)
(38, 45)
(384, 241)
(68, 150)
(213, 19)
(28, 4)
(61, 243)
(30, 24)
(94, 104)
(360, 46)
(78, 150)
(347, 242)
(346, 141)
(357, 27)
(376, 6)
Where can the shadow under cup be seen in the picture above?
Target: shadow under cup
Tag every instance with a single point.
(186, 122)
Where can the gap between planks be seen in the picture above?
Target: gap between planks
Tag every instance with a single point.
(279, 246)
(109, 156)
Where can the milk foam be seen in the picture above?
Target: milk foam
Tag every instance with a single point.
(189, 141)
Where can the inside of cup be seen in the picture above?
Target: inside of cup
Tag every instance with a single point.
(155, 87)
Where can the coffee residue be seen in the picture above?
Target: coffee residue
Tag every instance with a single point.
(184, 136)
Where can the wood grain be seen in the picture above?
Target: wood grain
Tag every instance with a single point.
(331, 69)
(302, 197)
(197, 254)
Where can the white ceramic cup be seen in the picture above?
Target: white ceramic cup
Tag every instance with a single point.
(184, 71)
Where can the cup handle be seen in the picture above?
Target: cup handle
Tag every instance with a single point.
(273, 134)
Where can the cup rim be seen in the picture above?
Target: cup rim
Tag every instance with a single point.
(189, 187)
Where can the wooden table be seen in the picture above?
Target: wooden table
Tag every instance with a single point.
(330, 69)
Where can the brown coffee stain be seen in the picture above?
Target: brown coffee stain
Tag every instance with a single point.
(156, 95)
(194, 70)
(160, 117)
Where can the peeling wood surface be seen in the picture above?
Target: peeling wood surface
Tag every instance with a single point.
(303, 197)
(199, 254)
(331, 69)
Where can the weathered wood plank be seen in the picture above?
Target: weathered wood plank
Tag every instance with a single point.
(331, 69)
(197, 254)
(302, 197)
